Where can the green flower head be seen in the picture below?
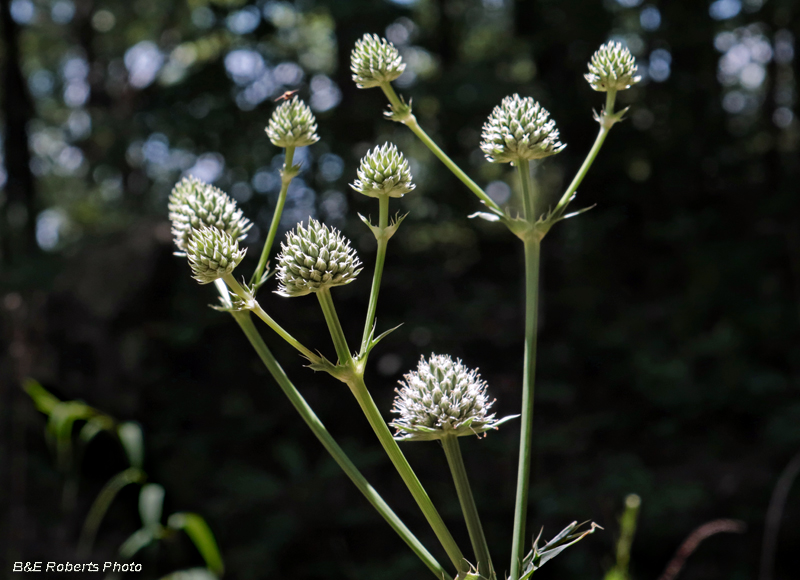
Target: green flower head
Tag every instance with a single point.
(519, 128)
(612, 68)
(212, 254)
(384, 171)
(374, 61)
(292, 125)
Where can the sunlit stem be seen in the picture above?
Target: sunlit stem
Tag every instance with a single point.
(411, 122)
(383, 241)
(286, 178)
(452, 451)
(532, 246)
(355, 381)
(255, 307)
(607, 120)
(324, 437)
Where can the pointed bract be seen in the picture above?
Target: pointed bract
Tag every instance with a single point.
(612, 68)
(519, 128)
(384, 171)
(375, 60)
(313, 258)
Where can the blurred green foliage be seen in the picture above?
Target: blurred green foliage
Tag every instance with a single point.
(670, 345)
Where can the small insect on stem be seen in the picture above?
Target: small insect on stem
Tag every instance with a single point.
(285, 96)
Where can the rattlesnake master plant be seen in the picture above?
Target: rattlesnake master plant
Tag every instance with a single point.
(313, 258)
(519, 128)
(212, 254)
(194, 204)
(442, 397)
(374, 61)
(292, 125)
(612, 68)
(384, 172)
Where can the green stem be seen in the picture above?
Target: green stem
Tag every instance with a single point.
(528, 203)
(338, 454)
(367, 404)
(607, 120)
(452, 451)
(380, 259)
(532, 246)
(411, 122)
(286, 178)
(335, 327)
(258, 311)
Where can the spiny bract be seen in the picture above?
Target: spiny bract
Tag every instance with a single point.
(384, 171)
(292, 125)
(612, 68)
(313, 258)
(375, 60)
(194, 204)
(519, 128)
(212, 254)
(442, 397)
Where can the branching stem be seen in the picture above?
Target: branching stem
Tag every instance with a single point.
(380, 259)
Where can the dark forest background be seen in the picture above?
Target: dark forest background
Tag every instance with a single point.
(670, 333)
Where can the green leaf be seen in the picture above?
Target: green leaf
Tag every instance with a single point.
(130, 435)
(537, 557)
(138, 540)
(42, 398)
(94, 426)
(198, 531)
(191, 574)
(151, 504)
(59, 427)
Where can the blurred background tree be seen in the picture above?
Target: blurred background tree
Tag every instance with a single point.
(670, 336)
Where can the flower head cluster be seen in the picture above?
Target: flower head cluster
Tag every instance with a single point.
(194, 204)
(519, 128)
(313, 258)
(292, 125)
(612, 68)
(442, 397)
(384, 172)
(212, 254)
(375, 60)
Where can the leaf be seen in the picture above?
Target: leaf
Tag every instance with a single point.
(198, 531)
(191, 574)
(151, 505)
(537, 558)
(130, 435)
(489, 217)
(94, 426)
(59, 427)
(42, 398)
(137, 540)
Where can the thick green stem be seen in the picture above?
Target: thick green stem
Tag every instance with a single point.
(286, 178)
(319, 430)
(258, 311)
(532, 246)
(606, 120)
(335, 327)
(411, 122)
(383, 241)
(528, 203)
(452, 451)
(359, 390)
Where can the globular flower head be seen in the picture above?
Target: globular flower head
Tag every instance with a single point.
(384, 171)
(313, 258)
(612, 68)
(375, 60)
(212, 254)
(194, 204)
(292, 125)
(519, 128)
(442, 397)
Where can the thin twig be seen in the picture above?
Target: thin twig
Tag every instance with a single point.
(772, 522)
(690, 544)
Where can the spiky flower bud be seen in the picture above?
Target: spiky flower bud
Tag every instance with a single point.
(442, 397)
(212, 254)
(384, 171)
(612, 68)
(313, 258)
(292, 125)
(375, 60)
(519, 128)
(194, 204)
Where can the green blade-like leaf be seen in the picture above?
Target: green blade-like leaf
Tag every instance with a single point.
(94, 426)
(151, 504)
(59, 427)
(130, 435)
(42, 398)
(137, 540)
(198, 531)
